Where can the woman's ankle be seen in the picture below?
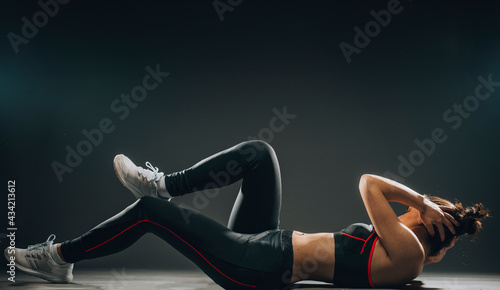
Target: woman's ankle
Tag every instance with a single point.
(59, 253)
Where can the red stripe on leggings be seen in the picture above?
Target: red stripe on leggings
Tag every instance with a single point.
(179, 239)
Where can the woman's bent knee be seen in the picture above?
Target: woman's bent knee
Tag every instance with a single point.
(256, 149)
(146, 205)
(147, 200)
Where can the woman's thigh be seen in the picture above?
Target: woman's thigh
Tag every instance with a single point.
(258, 204)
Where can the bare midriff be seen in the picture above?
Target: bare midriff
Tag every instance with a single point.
(313, 256)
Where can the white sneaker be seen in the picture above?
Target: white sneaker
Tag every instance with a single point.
(36, 260)
(142, 182)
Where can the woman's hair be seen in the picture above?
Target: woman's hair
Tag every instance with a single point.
(468, 217)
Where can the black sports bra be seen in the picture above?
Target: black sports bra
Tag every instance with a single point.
(354, 247)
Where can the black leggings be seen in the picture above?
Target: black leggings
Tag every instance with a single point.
(251, 252)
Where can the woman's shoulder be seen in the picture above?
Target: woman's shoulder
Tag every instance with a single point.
(389, 272)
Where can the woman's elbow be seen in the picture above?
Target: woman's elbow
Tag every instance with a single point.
(364, 181)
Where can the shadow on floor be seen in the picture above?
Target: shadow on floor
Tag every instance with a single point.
(413, 285)
(47, 285)
(140, 279)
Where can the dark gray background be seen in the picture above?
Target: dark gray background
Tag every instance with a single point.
(226, 77)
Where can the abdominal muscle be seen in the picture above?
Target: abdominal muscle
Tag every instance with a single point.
(313, 256)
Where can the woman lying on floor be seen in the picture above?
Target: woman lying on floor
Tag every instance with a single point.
(251, 251)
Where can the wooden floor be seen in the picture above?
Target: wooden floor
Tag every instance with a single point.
(147, 279)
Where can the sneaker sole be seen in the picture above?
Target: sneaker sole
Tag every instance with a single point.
(54, 278)
(135, 191)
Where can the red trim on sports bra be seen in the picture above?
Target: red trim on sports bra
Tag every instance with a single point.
(370, 263)
(179, 239)
(362, 249)
(354, 237)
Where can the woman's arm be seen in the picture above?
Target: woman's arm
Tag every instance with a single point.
(430, 213)
(399, 242)
(406, 254)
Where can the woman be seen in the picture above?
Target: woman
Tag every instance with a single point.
(252, 252)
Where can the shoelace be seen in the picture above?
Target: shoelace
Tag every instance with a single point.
(155, 170)
(40, 250)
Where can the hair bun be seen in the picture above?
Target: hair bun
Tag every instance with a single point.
(470, 218)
